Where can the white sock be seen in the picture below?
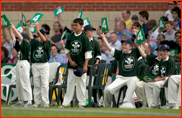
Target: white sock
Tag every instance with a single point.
(30, 102)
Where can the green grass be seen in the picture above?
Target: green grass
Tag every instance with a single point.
(53, 111)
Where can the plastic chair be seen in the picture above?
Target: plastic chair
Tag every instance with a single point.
(100, 74)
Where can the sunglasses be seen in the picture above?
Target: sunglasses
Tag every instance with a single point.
(170, 4)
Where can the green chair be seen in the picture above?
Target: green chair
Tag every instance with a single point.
(54, 86)
(100, 74)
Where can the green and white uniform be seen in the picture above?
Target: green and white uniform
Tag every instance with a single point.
(152, 89)
(79, 48)
(40, 69)
(23, 70)
(128, 64)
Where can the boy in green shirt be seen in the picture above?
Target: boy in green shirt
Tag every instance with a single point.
(40, 49)
(128, 65)
(22, 68)
(78, 51)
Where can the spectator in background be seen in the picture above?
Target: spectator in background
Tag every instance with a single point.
(54, 56)
(144, 15)
(170, 34)
(171, 5)
(58, 33)
(179, 4)
(101, 44)
(114, 44)
(134, 19)
(14, 59)
(165, 19)
(160, 38)
(126, 17)
(47, 28)
(176, 12)
(6, 42)
(4, 55)
(120, 27)
(148, 51)
(136, 26)
(152, 36)
(124, 37)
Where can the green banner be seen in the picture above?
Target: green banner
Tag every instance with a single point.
(140, 39)
(80, 14)
(19, 28)
(162, 26)
(5, 21)
(146, 78)
(36, 17)
(173, 53)
(86, 21)
(58, 11)
(104, 26)
(153, 29)
(24, 20)
(33, 30)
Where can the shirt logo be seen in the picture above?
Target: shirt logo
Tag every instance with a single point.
(38, 53)
(76, 47)
(155, 69)
(128, 63)
(163, 71)
(19, 55)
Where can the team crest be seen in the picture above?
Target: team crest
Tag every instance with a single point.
(76, 47)
(155, 69)
(38, 53)
(128, 63)
(163, 71)
(19, 55)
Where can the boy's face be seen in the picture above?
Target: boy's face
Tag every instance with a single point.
(165, 53)
(177, 37)
(134, 20)
(171, 5)
(141, 18)
(159, 53)
(77, 27)
(56, 27)
(126, 47)
(175, 15)
(89, 33)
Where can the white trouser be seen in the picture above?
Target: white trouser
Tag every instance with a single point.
(152, 91)
(41, 83)
(80, 88)
(87, 83)
(174, 89)
(140, 92)
(116, 85)
(23, 86)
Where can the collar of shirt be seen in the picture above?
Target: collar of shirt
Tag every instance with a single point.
(91, 39)
(157, 58)
(77, 34)
(167, 58)
(127, 53)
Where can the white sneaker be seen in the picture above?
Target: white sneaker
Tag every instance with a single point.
(46, 105)
(144, 107)
(18, 104)
(176, 107)
(166, 107)
(127, 105)
(35, 105)
(62, 106)
(28, 104)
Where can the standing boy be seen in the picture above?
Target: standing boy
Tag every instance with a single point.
(40, 49)
(78, 51)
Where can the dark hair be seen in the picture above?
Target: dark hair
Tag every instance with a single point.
(164, 18)
(163, 36)
(47, 28)
(54, 45)
(137, 24)
(100, 39)
(177, 10)
(152, 22)
(78, 20)
(178, 32)
(5, 50)
(127, 11)
(144, 14)
(175, 2)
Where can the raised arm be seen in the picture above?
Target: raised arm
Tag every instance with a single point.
(105, 42)
(61, 23)
(42, 37)
(4, 34)
(17, 33)
(29, 31)
(11, 34)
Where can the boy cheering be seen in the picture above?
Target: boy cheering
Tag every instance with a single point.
(79, 52)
